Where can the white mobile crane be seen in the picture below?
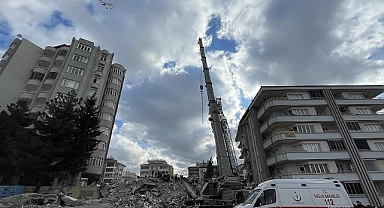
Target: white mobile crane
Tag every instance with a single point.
(225, 189)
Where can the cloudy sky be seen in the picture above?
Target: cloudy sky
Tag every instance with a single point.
(249, 43)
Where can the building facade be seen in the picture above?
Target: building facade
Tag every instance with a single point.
(198, 170)
(317, 132)
(36, 75)
(154, 167)
(114, 170)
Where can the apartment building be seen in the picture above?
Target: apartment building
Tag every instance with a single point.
(36, 75)
(198, 170)
(114, 170)
(317, 132)
(154, 167)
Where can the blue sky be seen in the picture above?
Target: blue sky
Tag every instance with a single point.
(248, 44)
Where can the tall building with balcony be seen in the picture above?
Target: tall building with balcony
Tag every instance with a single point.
(114, 170)
(36, 75)
(154, 167)
(317, 132)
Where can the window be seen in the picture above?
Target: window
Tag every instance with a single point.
(353, 188)
(103, 57)
(52, 75)
(294, 96)
(102, 146)
(62, 52)
(380, 145)
(5, 56)
(362, 144)
(104, 130)
(373, 127)
(109, 170)
(37, 75)
(336, 145)
(13, 45)
(111, 91)
(80, 58)
(355, 96)
(300, 112)
(75, 70)
(84, 47)
(314, 168)
(106, 116)
(318, 94)
(117, 71)
(70, 83)
(92, 92)
(109, 103)
(268, 197)
(371, 165)
(96, 80)
(353, 126)
(311, 147)
(364, 110)
(100, 69)
(114, 80)
(304, 129)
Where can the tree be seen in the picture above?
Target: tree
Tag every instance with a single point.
(210, 170)
(14, 136)
(70, 127)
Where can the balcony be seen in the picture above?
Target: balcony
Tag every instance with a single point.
(342, 177)
(367, 135)
(303, 156)
(43, 96)
(49, 51)
(372, 154)
(44, 61)
(37, 108)
(27, 96)
(48, 83)
(364, 117)
(291, 136)
(33, 84)
(39, 69)
(345, 102)
(59, 60)
(276, 102)
(294, 119)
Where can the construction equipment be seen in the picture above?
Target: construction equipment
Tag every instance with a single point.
(225, 190)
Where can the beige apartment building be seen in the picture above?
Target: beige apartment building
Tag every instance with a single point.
(36, 75)
(317, 132)
(155, 166)
(114, 170)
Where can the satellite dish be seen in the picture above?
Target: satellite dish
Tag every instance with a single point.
(19, 36)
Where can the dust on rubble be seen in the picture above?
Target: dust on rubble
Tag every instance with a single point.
(143, 193)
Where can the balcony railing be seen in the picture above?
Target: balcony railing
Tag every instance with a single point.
(284, 98)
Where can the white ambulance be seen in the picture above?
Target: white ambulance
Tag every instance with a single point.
(298, 193)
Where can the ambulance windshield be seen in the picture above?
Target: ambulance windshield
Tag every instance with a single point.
(252, 196)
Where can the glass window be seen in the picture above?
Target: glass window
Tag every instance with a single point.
(380, 145)
(96, 80)
(75, 70)
(251, 197)
(62, 52)
(103, 57)
(105, 130)
(52, 75)
(106, 116)
(314, 168)
(70, 83)
(364, 110)
(109, 103)
(112, 92)
(269, 197)
(336, 145)
(100, 69)
(356, 96)
(84, 47)
(300, 111)
(80, 58)
(362, 144)
(114, 80)
(37, 75)
(304, 129)
(353, 126)
(373, 127)
(294, 96)
(318, 94)
(371, 165)
(353, 188)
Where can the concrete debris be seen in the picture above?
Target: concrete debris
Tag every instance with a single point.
(144, 192)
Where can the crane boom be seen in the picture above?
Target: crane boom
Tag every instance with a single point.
(226, 159)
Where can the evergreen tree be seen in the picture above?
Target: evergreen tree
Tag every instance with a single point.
(210, 170)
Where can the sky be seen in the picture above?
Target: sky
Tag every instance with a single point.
(248, 43)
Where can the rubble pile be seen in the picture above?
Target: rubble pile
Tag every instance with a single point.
(145, 192)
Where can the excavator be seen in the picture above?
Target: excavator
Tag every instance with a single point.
(225, 190)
